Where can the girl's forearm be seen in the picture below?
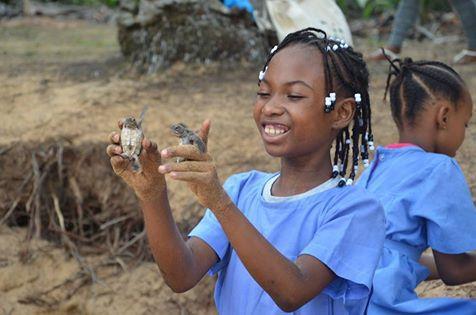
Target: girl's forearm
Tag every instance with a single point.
(281, 278)
(456, 269)
(171, 253)
(467, 268)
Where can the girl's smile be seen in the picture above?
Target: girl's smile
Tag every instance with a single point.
(274, 132)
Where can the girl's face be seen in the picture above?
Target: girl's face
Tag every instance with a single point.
(449, 141)
(289, 108)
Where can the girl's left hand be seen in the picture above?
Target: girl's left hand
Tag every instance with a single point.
(198, 170)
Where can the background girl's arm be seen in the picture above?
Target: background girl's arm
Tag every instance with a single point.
(451, 228)
(181, 263)
(455, 269)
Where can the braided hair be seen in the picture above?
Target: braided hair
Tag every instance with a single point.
(346, 71)
(415, 83)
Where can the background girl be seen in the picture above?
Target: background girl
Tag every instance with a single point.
(426, 198)
(288, 241)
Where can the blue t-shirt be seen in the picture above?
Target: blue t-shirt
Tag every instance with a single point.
(426, 199)
(342, 227)
(427, 203)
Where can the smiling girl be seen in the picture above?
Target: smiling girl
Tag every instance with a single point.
(301, 240)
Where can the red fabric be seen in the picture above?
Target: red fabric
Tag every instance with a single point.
(400, 145)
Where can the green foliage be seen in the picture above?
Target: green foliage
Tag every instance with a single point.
(368, 8)
(349, 6)
(378, 6)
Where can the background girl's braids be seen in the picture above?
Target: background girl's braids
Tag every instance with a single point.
(346, 75)
(415, 83)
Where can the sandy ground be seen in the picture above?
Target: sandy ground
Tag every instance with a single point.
(67, 79)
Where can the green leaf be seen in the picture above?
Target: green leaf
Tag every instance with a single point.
(368, 10)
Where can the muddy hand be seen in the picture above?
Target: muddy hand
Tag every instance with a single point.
(198, 170)
(147, 183)
(204, 131)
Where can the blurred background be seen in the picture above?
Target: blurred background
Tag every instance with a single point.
(72, 239)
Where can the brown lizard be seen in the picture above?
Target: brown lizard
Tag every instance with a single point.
(131, 139)
(187, 136)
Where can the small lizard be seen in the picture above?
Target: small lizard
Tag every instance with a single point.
(187, 136)
(131, 139)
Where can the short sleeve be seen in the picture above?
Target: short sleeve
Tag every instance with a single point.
(350, 243)
(209, 229)
(446, 204)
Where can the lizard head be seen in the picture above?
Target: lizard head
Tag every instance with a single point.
(179, 129)
(131, 123)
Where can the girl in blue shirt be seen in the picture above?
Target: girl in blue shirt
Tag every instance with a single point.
(299, 240)
(425, 196)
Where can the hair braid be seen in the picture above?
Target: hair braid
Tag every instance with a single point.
(415, 83)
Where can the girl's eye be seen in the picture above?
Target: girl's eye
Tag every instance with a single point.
(262, 94)
(295, 97)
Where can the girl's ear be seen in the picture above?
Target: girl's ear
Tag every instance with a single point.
(442, 115)
(343, 113)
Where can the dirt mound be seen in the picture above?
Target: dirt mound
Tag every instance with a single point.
(37, 277)
(69, 195)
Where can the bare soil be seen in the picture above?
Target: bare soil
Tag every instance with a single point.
(66, 79)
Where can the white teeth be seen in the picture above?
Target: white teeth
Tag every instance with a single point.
(273, 131)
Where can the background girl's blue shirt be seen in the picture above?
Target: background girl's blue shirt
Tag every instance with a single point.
(427, 203)
(426, 199)
(342, 227)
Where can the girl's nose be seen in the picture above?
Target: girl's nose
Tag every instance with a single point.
(273, 107)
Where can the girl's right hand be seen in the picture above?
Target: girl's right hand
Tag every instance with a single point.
(147, 183)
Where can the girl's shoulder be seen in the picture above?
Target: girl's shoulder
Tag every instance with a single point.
(352, 192)
(417, 162)
(431, 181)
(436, 166)
(257, 179)
(353, 200)
(447, 178)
